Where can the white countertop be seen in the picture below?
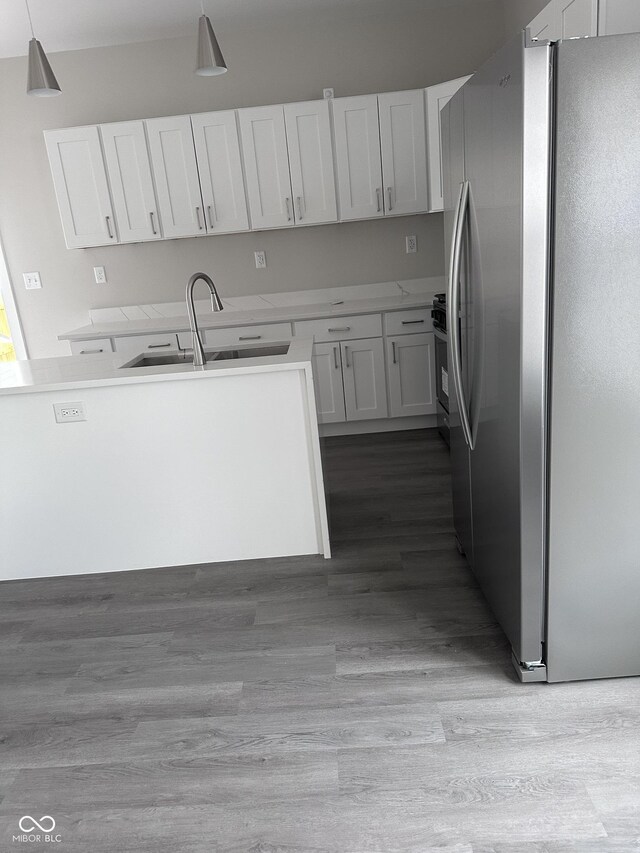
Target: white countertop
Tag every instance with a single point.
(224, 319)
(71, 372)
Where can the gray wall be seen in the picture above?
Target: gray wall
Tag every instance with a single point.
(519, 13)
(285, 60)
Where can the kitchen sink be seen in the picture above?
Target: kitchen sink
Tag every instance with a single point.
(146, 360)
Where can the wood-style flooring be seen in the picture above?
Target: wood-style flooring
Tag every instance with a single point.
(364, 704)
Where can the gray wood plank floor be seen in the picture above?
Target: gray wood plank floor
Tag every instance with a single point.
(359, 705)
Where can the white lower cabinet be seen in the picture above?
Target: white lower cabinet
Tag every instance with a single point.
(365, 388)
(98, 346)
(410, 374)
(329, 386)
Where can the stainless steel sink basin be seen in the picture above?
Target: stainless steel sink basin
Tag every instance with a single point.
(145, 360)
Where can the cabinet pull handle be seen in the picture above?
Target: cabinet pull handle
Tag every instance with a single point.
(109, 232)
(153, 225)
(379, 200)
(198, 218)
(335, 358)
(299, 203)
(411, 322)
(249, 337)
(389, 197)
(210, 212)
(158, 346)
(342, 329)
(346, 356)
(393, 352)
(90, 351)
(287, 201)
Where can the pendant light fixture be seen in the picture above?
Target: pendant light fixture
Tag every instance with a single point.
(210, 61)
(41, 81)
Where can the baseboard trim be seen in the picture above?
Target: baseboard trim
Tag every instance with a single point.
(378, 425)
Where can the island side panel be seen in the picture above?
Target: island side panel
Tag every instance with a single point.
(160, 474)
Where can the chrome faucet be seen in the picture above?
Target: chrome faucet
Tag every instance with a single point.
(216, 305)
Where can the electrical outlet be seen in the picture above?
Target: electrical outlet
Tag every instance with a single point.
(68, 412)
(327, 94)
(261, 260)
(100, 275)
(412, 245)
(32, 280)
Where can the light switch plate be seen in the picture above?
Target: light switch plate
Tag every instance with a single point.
(32, 280)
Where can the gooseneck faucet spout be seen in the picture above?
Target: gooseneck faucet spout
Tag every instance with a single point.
(216, 305)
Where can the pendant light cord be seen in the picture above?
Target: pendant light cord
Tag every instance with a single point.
(26, 3)
(201, 5)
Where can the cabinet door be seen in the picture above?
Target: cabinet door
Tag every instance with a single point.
(358, 159)
(220, 168)
(80, 182)
(311, 162)
(411, 374)
(173, 158)
(264, 144)
(129, 170)
(327, 380)
(404, 152)
(563, 19)
(437, 97)
(618, 16)
(365, 387)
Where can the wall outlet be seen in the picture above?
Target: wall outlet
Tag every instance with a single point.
(32, 280)
(100, 275)
(412, 245)
(261, 260)
(327, 94)
(67, 412)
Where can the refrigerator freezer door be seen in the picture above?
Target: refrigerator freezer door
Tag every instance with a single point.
(452, 125)
(594, 495)
(494, 143)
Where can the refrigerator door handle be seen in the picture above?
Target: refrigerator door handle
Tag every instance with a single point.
(453, 296)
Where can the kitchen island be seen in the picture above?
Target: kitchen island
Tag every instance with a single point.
(171, 465)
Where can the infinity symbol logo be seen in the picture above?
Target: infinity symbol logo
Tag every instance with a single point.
(28, 823)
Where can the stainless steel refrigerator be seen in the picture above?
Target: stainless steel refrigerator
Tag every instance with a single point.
(542, 217)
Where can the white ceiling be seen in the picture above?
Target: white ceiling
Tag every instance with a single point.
(78, 24)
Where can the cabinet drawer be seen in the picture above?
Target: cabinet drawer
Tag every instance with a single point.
(98, 346)
(340, 328)
(134, 344)
(243, 334)
(408, 322)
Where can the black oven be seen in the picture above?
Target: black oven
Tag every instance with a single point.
(439, 317)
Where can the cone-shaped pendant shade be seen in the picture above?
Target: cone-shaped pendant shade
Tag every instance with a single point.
(41, 80)
(210, 58)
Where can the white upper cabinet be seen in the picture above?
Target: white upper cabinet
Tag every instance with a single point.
(173, 159)
(129, 170)
(220, 167)
(562, 19)
(618, 16)
(404, 155)
(358, 157)
(380, 152)
(264, 144)
(81, 187)
(437, 97)
(311, 162)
